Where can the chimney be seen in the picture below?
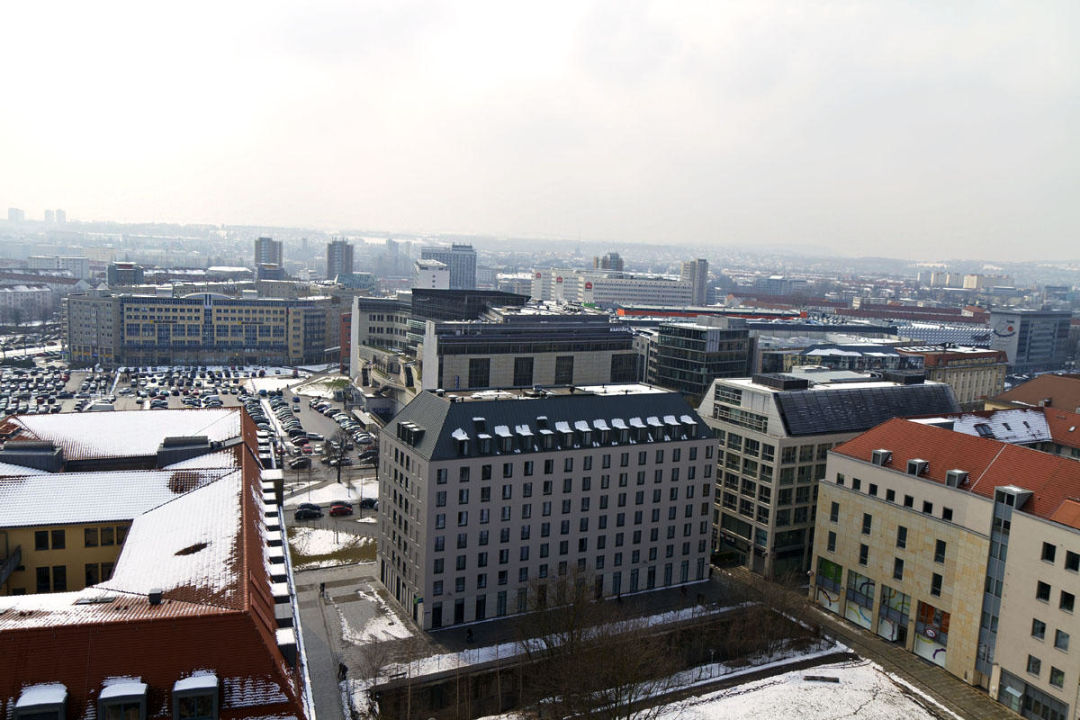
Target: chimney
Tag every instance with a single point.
(155, 596)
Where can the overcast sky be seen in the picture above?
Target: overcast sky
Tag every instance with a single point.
(915, 129)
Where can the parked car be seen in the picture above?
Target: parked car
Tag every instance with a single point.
(308, 506)
(336, 510)
(369, 504)
(307, 514)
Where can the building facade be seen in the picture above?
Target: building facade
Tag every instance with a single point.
(481, 500)
(688, 357)
(775, 433)
(461, 259)
(962, 549)
(339, 258)
(268, 252)
(1033, 339)
(696, 272)
(974, 374)
(528, 348)
(198, 329)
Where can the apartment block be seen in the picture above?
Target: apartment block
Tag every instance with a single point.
(480, 498)
(198, 329)
(964, 550)
(775, 432)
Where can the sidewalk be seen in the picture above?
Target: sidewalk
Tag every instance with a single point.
(965, 700)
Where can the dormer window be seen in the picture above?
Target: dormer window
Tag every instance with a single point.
(47, 701)
(124, 700)
(196, 698)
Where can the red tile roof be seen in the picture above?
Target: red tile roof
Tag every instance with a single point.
(230, 631)
(1063, 391)
(1064, 426)
(989, 463)
(1068, 513)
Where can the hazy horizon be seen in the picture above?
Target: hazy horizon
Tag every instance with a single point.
(894, 129)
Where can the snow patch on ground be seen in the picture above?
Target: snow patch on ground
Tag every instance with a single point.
(864, 690)
(331, 492)
(383, 626)
(319, 541)
(323, 387)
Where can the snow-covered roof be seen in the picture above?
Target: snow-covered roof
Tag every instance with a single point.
(188, 548)
(202, 680)
(9, 470)
(122, 689)
(65, 498)
(41, 694)
(219, 459)
(126, 433)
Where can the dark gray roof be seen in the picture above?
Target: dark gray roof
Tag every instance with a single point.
(815, 412)
(439, 417)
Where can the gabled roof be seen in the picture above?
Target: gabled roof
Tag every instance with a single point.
(1062, 391)
(990, 463)
(190, 548)
(69, 498)
(133, 433)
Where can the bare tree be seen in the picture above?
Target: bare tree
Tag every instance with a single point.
(337, 451)
(593, 659)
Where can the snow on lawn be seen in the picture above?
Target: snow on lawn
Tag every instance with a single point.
(473, 656)
(323, 386)
(384, 625)
(864, 690)
(313, 542)
(331, 492)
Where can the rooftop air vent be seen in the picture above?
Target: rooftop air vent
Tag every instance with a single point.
(881, 457)
(155, 596)
(917, 466)
(956, 478)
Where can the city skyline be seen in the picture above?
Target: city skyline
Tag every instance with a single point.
(865, 129)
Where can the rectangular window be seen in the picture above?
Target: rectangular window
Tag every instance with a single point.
(890, 495)
(1057, 677)
(935, 585)
(1042, 592)
(901, 537)
(928, 507)
(939, 551)
(1034, 665)
(898, 569)
(90, 537)
(834, 511)
(864, 554)
(1061, 640)
(41, 540)
(523, 371)
(58, 539)
(59, 578)
(1038, 628)
(1067, 601)
(831, 544)
(1049, 551)
(909, 501)
(1072, 561)
(867, 521)
(479, 372)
